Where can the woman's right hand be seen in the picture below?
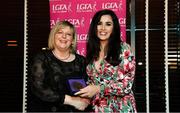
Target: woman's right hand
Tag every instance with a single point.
(88, 91)
(78, 102)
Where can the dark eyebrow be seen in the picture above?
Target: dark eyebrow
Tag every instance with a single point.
(109, 22)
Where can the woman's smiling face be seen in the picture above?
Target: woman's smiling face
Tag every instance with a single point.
(105, 27)
(64, 38)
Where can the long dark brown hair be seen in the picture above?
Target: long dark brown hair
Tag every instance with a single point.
(93, 44)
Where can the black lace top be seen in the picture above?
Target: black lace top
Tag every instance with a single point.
(48, 81)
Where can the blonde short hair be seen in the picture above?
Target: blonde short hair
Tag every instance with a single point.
(55, 29)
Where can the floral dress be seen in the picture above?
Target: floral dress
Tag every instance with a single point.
(116, 84)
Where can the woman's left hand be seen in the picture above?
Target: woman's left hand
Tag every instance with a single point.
(88, 91)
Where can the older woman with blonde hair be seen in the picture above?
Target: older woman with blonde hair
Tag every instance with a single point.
(52, 68)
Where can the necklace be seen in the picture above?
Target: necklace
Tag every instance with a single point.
(59, 57)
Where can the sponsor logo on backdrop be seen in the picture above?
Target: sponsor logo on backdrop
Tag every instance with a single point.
(61, 8)
(81, 37)
(53, 22)
(80, 12)
(82, 51)
(122, 22)
(115, 6)
(74, 21)
(86, 7)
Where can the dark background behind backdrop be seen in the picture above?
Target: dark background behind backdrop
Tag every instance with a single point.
(11, 57)
(12, 46)
(38, 27)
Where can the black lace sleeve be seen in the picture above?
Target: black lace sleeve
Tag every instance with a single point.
(40, 85)
(84, 69)
(82, 63)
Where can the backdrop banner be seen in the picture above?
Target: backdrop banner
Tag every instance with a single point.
(80, 13)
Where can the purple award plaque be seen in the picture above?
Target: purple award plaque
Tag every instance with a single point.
(76, 84)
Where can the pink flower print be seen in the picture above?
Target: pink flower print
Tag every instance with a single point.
(106, 91)
(120, 74)
(125, 100)
(119, 91)
(125, 82)
(120, 105)
(115, 86)
(126, 65)
(131, 65)
(105, 70)
(112, 71)
(126, 54)
(106, 64)
(103, 102)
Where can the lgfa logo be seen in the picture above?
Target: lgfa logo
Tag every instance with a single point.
(61, 7)
(86, 7)
(81, 37)
(81, 51)
(122, 21)
(77, 22)
(112, 5)
(53, 22)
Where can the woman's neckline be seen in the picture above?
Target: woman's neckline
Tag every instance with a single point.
(66, 59)
(63, 59)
